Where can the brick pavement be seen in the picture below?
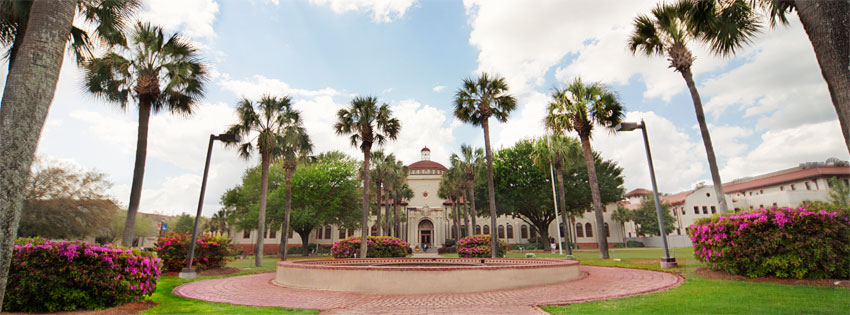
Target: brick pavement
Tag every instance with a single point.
(599, 283)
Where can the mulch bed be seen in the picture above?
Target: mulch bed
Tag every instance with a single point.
(209, 272)
(126, 309)
(656, 262)
(720, 275)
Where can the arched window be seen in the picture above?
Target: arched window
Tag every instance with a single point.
(477, 229)
(487, 229)
(463, 231)
(272, 233)
(246, 233)
(561, 228)
(350, 232)
(523, 231)
(328, 232)
(510, 231)
(588, 230)
(290, 233)
(501, 231)
(374, 230)
(607, 232)
(579, 230)
(341, 233)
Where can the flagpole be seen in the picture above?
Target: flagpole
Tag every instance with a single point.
(555, 203)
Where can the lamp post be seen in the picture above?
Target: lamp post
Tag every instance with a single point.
(189, 272)
(667, 261)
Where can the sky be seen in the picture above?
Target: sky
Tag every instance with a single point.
(767, 107)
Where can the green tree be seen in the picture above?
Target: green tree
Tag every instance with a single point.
(294, 144)
(397, 178)
(577, 185)
(218, 223)
(450, 189)
(404, 194)
(578, 107)
(475, 102)
(183, 223)
(470, 162)
(366, 123)
(160, 73)
(27, 96)
(839, 193)
(621, 216)
(646, 218)
(267, 121)
(382, 169)
(557, 151)
(667, 32)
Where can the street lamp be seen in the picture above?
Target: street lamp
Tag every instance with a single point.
(189, 272)
(667, 261)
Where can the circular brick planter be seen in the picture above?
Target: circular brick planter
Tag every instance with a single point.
(423, 275)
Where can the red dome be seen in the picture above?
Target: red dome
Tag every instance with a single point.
(425, 149)
(427, 165)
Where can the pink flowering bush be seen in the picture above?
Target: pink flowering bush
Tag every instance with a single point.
(48, 276)
(807, 242)
(377, 247)
(478, 246)
(210, 251)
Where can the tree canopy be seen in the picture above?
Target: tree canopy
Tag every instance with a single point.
(646, 218)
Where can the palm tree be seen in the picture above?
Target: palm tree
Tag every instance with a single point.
(160, 73)
(470, 162)
(559, 151)
(578, 107)
(294, 144)
(267, 118)
(404, 194)
(668, 31)
(366, 123)
(622, 215)
(475, 102)
(381, 171)
(398, 174)
(449, 189)
(27, 96)
(108, 17)
(218, 222)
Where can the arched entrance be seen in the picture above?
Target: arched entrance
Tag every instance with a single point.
(426, 232)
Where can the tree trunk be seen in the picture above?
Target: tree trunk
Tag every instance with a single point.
(562, 203)
(261, 220)
(706, 140)
(138, 173)
(365, 221)
(827, 23)
(601, 240)
(378, 222)
(457, 218)
(305, 242)
(30, 86)
(284, 238)
(490, 187)
(473, 212)
(466, 214)
(544, 235)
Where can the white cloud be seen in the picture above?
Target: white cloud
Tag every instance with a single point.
(524, 122)
(439, 88)
(421, 125)
(259, 85)
(383, 11)
(193, 18)
(727, 139)
(786, 148)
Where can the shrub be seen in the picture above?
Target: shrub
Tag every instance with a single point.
(800, 243)
(47, 276)
(447, 250)
(528, 246)
(210, 251)
(377, 247)
(478, 246)
(629, 244)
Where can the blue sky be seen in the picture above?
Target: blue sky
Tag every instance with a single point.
(767, 107)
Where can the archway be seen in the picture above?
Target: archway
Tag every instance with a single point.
(426, 233)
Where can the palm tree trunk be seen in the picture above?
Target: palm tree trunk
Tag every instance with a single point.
(138, 173)
(826, 23)
(562, 203)
(473, 212)
(601, 240)
(284, 238)
(378, 222)
(261, 220)
(490, 187)
(706, 140)
(30, 86)
(364, 232)
(396, 219)
(466, 214)
(457, 217)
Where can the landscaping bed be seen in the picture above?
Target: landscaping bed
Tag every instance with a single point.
(720, 275)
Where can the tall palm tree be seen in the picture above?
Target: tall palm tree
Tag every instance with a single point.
(294, 144)
(579, 107)
(367, 123)
(668, 30)
(449, 189)
(218, 222)
(622, 215)
(266, 118)
(381, 171)
(159, 72)
(398, 174)
(108, 17)
(27, 96)
(470, 162)
(404, 194)
(558, 151)
(475, 102)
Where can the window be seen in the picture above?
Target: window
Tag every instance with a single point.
(486, 229)
(761, 191)
(510, 229)
(708, 194)
(737, 209)
(350, 232)
(523, 231)
(319, 233)
(774, 205)
(328, 232)
(501, 231)
(751, 193)
(463, 231)
(678, 231)
(761, 206)
(792, 187)
(561, 229)
(374, 230)
(607, 232)
(588, 230)
(579, 230)
(808, 187)
(246, 233)
(781, 188)
(290, 233)
(704, 210)
(847, 182)
(696, 210)
(341, 233)
(272, 234)
(713, 210)
(477, 229)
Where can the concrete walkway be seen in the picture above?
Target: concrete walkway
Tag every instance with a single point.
(599, 283)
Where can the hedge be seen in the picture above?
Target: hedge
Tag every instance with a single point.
(48, 276)
(478, 246)
(806, 242)
(210, 251)
(377, 247)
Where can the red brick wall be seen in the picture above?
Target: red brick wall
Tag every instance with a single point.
(593, 245)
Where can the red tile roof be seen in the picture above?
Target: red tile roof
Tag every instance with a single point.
(427, 165)
(786, 176)
(676, 199)
(638, 192)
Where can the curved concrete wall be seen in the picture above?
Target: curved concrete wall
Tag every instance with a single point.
(361, 275)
